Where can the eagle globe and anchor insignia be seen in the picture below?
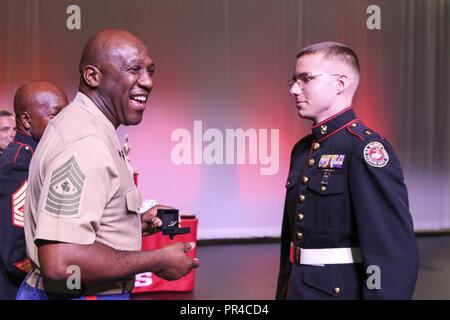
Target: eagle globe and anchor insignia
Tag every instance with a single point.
(376, 155)
(66, 186)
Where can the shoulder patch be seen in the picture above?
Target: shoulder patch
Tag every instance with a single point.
(375, 154)
(66, 186)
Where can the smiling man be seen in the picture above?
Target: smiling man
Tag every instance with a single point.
(82, 213)
(347, 231)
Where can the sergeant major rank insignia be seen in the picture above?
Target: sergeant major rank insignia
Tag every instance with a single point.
(376, 155)
(64, 193)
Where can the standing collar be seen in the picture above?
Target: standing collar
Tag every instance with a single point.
(92, 108)
(25, 138)
(334, 123)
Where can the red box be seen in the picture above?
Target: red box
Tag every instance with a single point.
(149, 282)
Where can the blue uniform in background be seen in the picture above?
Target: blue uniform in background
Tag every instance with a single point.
(346, 189)
(14, 165)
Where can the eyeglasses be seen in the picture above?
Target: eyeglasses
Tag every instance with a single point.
(304, 78)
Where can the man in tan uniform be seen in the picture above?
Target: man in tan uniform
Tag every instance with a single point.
(82, 213)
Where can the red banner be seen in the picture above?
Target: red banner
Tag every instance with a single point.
(149, 282)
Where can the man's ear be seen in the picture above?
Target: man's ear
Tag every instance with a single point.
(342, 84)
(25, 120)
(92, 76)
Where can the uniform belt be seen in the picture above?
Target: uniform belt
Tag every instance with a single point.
(60, 287)
(325, 256)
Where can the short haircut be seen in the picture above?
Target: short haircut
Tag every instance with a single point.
(333, 50)
(5, 113)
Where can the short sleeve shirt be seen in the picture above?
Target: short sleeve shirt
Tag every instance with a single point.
(81, 185)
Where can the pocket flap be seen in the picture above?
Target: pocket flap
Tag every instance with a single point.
(334, 186)
(329, 278)
(133, 200)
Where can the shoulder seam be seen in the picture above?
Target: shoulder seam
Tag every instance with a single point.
(21, 145)
(353, 132)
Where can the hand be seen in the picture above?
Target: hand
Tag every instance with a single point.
(174, 261)
(150, 222)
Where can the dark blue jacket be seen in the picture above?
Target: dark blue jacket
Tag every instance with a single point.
(14, 165)
(362, 202)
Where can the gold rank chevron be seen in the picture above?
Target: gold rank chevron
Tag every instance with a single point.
(18, 204)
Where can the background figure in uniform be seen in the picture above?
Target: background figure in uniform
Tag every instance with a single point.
(7, 129)
(82, 214)
(346, 214)
(35, 103)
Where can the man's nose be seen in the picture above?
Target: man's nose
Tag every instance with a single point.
(295, 89)
(146, 81)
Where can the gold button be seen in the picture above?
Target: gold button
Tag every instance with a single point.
(305, 180)
(323, 188)
(311, 162)
(300, 216)
(323, 129)
(299, 235)
(301, 198)
(353, 125)
(337, 290)
(367, 132)
(316, 146)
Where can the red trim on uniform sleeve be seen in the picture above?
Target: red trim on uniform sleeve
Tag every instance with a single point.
(18, 205)
(23, 265)
(17, 153)
(21, 145)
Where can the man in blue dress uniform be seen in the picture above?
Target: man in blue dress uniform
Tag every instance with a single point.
(35, 103)
(347, 231)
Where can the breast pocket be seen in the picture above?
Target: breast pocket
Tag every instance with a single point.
(338, 281)
(133, 201)
(326, 202)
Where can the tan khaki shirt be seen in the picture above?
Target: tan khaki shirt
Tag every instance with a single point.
(81, 187)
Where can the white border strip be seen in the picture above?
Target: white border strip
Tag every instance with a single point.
(237, 233)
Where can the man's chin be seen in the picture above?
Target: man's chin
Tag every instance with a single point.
(304, 115)
(133, 121)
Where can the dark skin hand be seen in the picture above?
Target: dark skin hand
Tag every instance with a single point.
(170, 262)
(150, 222)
